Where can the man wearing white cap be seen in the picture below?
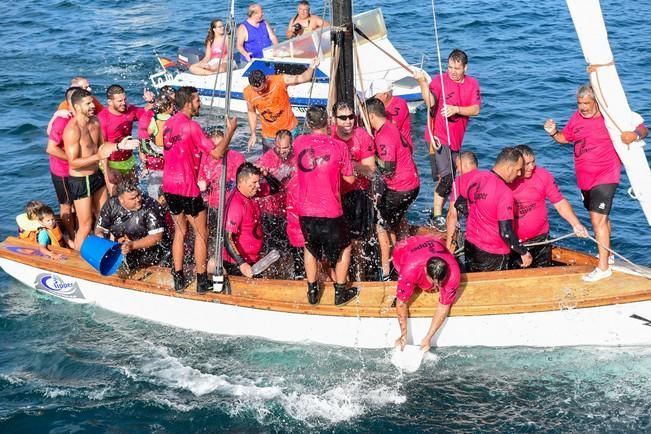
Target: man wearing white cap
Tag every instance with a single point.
(396, 107)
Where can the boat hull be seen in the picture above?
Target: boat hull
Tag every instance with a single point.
(616, 324)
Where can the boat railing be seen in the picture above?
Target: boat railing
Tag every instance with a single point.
(307, 45)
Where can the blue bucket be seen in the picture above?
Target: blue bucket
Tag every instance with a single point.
(104, 255)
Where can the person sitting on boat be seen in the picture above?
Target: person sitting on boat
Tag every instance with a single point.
(49, 233)
(136, 222)
(321, 163)
(183, 141)
(396, 107)
(490, 235)
(356, 198)
(152, 156)
(117, 123)
(86, 150)
(279, 163)
(210, 170)
(28, 221)
(244, 237)
(466, 162)
(59, 170)
(530, 213)
(254, 34)
(597, 165)
(216, 57)
(304, 21)
(267, 96)
(395, 163)
(449, 111)
(424, 262)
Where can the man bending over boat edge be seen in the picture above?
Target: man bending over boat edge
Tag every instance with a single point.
(424, 261)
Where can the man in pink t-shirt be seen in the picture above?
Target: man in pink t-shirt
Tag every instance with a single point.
(356, 201)
(466, 162)
(424, 262)
(59, 169)
(597, 166)
(450, 112)
(184, 142)
(396, 108)
(395, 163)
(490, 236)
(243, 234)
(321, 163)
(279, 163)
(530, 192)
(117, 123)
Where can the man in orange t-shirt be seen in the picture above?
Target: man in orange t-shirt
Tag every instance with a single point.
(267, 96)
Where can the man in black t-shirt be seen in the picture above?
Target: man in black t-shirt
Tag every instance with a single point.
(136, 222)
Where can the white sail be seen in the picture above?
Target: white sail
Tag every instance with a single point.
(591, 30)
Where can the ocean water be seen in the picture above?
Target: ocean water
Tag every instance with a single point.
(70, 368)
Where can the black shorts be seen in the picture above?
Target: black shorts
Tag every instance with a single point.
(542, 255)
(61, 189)
(85, 186)
(325, 238)
(191, 206)
(358, 212)
(480, 260)
(599, 198)
(442, 162)
(393, 206)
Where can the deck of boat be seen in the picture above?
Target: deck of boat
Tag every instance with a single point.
(489, 293)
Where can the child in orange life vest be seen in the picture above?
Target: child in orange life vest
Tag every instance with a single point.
(49, 233)
(27, 222)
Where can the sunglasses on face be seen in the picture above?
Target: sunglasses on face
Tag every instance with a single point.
(345, 117)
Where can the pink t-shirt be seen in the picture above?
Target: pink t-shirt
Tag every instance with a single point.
(210, 170)
(294, 232)
(390, 147)
(275, 204)
(490, 200)
(460, 94)
(243, 222)
(530, 209)
(184, 141)
(398, 114)
(410, 258)
(58, 166)
(595, 159)
(321, 161)
(361, 146)
(143, 124)
(117, 127)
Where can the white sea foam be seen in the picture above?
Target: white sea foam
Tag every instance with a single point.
(14, 381)
(55, 392)
(339, 404)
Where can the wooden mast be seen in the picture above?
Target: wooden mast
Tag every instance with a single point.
(342, 38)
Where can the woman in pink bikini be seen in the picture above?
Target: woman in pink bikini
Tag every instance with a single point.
(216, 57)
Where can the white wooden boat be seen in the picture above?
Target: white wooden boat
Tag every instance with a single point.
(294, 56)
(538, 307)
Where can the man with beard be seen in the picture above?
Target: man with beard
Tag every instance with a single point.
(184, 141)
(85, 149)
(117, 123)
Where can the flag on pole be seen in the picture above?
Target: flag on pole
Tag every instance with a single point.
(166, 62)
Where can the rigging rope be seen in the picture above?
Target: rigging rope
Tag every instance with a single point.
(443, 97)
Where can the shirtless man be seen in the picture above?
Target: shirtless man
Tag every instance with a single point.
(304, 21)
(82, 139)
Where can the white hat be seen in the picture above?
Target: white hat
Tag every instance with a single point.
(379, 85)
